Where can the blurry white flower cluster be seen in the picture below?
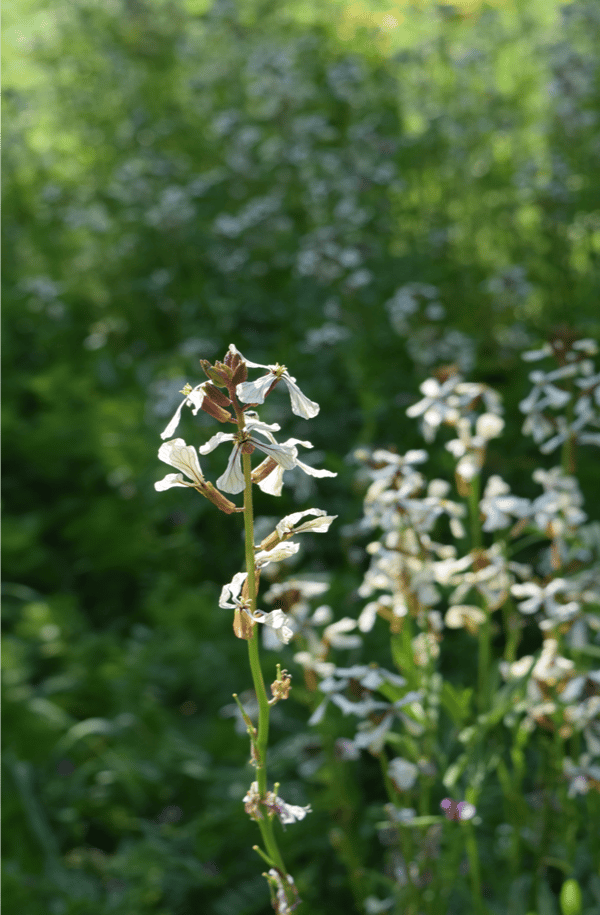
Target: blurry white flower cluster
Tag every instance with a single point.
(563, 405)
(425, 579)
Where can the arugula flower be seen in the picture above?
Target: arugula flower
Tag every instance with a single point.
(194, 400)
(232, 480)
(256, 391)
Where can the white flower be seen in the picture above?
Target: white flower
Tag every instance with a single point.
(256, 391)
(489, 425)
(287, 813)
(335, 634)
(183, 457)
(290, 813)
(439, 405)
(273, 483)
(403, 773)
(231, 600)
(497, 505)
(459, 615)
(194, 400)
(540, 596)
(232, 480)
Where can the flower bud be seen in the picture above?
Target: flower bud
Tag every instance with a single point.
(217, 396)
(240, 373)
(216, 373)
(217, 412)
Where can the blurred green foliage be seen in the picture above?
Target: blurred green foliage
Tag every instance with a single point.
(179, 176)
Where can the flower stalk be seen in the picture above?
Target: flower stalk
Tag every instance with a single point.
(236, 406)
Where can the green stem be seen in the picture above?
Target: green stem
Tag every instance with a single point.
(265, 825)
(474, 867)
(473, 500)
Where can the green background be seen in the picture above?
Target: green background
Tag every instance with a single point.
(180, 176)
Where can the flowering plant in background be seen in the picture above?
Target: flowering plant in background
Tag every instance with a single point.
(491, 601)
(229, 397)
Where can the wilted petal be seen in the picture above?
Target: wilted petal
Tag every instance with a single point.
(318, 525)
(277, 621)
(230, 592)
(277, 554)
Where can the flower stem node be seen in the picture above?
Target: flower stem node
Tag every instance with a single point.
(284, 895)
(274, 806)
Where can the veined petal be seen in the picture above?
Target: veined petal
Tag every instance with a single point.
(215, 440)
(255, 391)
(301, 405)
(232, 480)
(183, 457)
(285, 455)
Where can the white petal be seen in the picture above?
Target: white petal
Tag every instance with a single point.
(314, 471)
(273, 483)
(193, 399)
(287, 524)
(255, 391)
(285, 455)
(254, 424)
(277, 621)
(253, 365)
(175, 421)
(281, 551)
(301, 405)
(231, 591)
(215, 440)
(288, 813)
(183, 457)
(298, 441)
(196, 396)
(232, 480)
(171, 479)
